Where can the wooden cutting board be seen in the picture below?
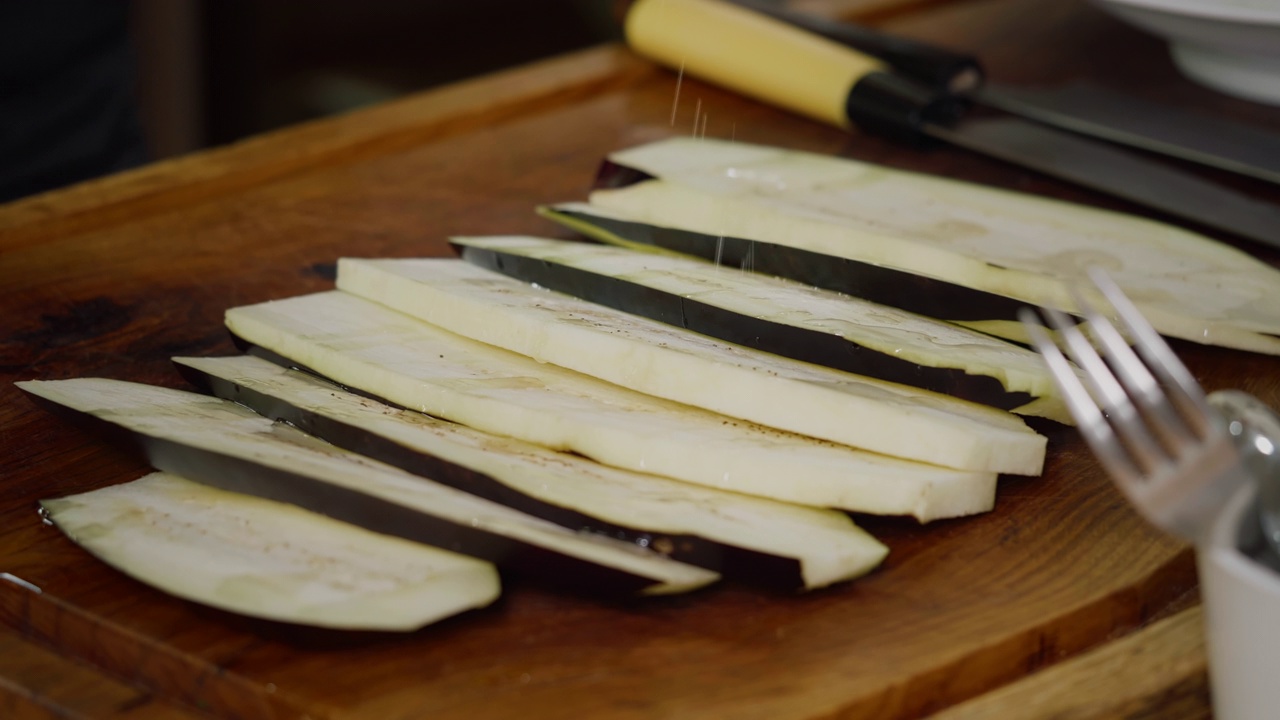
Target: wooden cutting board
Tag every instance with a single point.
(112, 278)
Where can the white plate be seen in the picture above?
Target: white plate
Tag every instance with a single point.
(1229, 45)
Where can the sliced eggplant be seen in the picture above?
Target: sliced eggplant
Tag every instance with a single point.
(679, 365)
(368, 347)
(921, 294)
(1017, 246)
(748, 538)
(219, 443)
(269, 559)
(784, 318)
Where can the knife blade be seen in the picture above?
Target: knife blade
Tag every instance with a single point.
(1186, 134)
(772, 61)
(1086, 109)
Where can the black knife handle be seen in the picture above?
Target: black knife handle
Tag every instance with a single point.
(900, 108)
(954, 72)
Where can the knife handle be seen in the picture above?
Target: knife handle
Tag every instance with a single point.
(954, 72)
(785, 66)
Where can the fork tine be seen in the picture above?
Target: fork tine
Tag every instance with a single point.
(1127, 423)
(1095, 428)
(1178, 490)
(1136, 377)
(1158, 355)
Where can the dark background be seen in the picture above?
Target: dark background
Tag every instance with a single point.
(92, 87)
(271, 64)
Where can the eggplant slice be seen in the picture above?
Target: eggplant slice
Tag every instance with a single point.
(748, 538)
(268, 559)
(1025, 248)
(920, 294)
(682, 366)
(372, 349)
(783, 317)
(216, 442)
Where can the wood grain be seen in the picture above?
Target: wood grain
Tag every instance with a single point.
(326, 142)
(1158, 671)
(39, 684)
(114, 277)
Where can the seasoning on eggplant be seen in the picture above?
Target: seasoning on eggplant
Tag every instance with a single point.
(685, 367)
(1014, 245)
(783, 317)
(748, 538)
(922, 294)
(269, 559)
(372, 349)
(216, 442)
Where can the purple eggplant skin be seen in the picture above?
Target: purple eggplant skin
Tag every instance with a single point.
(819, 348)
(527, 562)
(612, 175)
(897, 288)
(734, 563)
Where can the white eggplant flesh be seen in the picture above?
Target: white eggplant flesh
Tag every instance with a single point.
(749, 538)
(1019, 246)
(675, 364)
(783, 317)
(216, 442)
(268, 559)
(975, 309)
(366, 346)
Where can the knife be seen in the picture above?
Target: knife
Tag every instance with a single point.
(1078, 107)
(772, 61)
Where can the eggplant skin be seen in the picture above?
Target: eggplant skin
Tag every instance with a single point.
(240, 475)
(898, 288)
(275, 562)
(612, 175)
(812, 346)
(743, 564)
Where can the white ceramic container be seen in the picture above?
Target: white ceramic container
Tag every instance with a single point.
(1242, 618)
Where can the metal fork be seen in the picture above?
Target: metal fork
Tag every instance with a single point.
(1166, 446)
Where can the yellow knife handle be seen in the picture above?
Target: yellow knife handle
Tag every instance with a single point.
(771, 61)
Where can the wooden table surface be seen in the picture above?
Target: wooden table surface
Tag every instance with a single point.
(1060, 603)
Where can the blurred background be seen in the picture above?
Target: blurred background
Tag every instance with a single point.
(89, 87)
(213, 71)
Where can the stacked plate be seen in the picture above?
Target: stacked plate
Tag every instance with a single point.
(1229, 45)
